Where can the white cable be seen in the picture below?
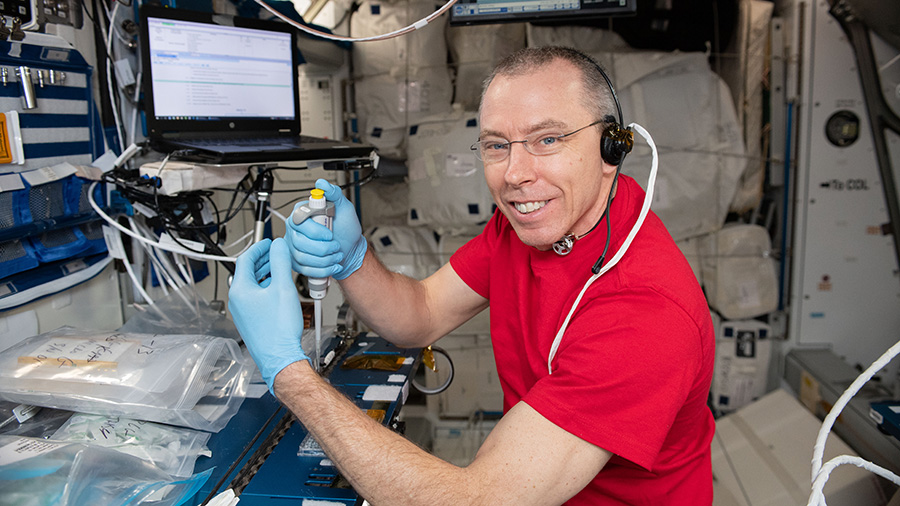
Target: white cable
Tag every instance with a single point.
(137, 284)
(126, 155)
(168, 270)
(396, 33)
(184, 273)
(819, 449)
(160, 270)
(155, 244)
(189, 275)
(276, 213)
(109, 80)
(817, 497)
(239, 239)
(645, 208)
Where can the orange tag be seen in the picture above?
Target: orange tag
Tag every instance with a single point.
(6, 155)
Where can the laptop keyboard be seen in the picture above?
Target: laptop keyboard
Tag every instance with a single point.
(259, 141)
(255, 141)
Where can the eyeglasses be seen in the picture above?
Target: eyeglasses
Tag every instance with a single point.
(497, 150)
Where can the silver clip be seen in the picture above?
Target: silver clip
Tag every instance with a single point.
(564, 246)
(29, 100)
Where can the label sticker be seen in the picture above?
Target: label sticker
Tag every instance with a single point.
(69, 352)
(26, 448)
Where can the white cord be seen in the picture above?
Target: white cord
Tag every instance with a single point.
(109, 79)
(137, 284)
(161, 272)
(155, 244)
(645, 208)
(168, 270)
(126, 155)
(240, 239)
(396, 33)
(817, 497)
(828, 423)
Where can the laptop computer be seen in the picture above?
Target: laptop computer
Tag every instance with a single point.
(221, 89)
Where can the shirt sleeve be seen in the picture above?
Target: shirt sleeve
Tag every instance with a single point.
(472, 262)
(621, 376)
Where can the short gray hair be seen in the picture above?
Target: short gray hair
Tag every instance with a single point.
(597, 96)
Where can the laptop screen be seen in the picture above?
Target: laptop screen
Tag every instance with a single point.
(215, 73)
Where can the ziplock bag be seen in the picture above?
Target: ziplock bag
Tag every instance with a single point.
(189, 380)
(174, 450)
(40, 472)
(182, 313)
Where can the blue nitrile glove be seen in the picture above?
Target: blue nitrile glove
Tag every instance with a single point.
(267, 313)
(317, 252)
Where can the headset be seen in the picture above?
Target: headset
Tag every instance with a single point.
(615, 143)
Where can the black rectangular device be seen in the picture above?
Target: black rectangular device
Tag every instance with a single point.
(478, 12)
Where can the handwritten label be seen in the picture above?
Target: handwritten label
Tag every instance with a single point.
(120, 429)
(65, 352)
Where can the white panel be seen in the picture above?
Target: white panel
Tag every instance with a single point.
(845, 287)
(94, 304)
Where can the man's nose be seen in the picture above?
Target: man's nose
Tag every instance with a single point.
(521, 165)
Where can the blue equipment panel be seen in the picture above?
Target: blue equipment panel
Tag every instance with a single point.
(886, 416)
(287, 475)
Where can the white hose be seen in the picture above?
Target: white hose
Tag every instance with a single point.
(396, 33)
(109, 78)
(160, 271)
(819, 473)
(137, 284)
(817, 497)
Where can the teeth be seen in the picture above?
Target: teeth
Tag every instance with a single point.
(529, 207)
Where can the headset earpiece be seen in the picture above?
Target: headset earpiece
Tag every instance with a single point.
(615, 143)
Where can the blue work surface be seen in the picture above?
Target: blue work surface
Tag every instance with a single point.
(286, 476)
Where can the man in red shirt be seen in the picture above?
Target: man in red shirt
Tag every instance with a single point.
(613, 412)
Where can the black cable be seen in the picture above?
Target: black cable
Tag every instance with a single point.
(599, 263)
(247, 193)
(373, 173)
(215, 213)
(240, 457)
(166, 224)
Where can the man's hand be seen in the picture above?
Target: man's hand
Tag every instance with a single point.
(318, 252)
(266, 309)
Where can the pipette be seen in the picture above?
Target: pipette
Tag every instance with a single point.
(322, 212)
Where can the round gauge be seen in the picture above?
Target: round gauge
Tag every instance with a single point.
(842, 128)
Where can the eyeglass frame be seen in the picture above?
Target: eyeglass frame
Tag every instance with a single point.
(476, 148)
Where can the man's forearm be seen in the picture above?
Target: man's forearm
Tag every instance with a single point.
(406, 311)
(382, 466)
(390, 303)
